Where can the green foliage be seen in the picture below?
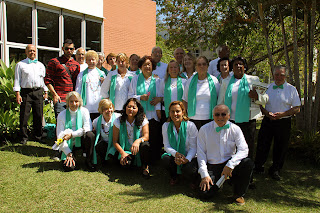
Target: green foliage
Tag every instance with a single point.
(167, 52)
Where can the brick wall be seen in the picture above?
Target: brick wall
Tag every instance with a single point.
(129, 26)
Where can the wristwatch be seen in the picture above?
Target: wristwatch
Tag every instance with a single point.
(142, 140)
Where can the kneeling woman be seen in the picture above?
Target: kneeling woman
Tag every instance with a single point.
(103, 126)
(130, 136)
(180, 144)
(74, 127)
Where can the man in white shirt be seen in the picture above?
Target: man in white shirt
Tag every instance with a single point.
(222, 150)
(178, 55)
(283, 103)
(161, 69)
(29, 87)
(80, 53)
(223, 52)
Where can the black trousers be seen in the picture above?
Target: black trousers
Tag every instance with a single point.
(155, 139)
(189, 170)
(31, 99)
(200, 123)
(279, 130)
(241, 176)
(248, 130)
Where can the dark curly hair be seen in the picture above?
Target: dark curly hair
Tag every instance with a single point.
(239, 58)
(222, 59)
(143, 60)
(139, 116)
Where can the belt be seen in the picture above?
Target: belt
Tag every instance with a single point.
(32, 89)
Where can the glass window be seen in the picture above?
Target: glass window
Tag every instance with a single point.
(72, 29)
(19, 25)
(93, 39)
(45, 56)
(48, 28)
(16, 54)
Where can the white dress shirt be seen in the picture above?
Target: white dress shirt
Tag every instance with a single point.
(105, 126)
(83, 66)
(86, 125)
(161, 70)
(122, 88)
(174, 87)
(281, 100)
(218, 147)
(93, 88)
(203, 97)
(29, 75)
(130, 128)
(212, 69)
(133, 94)
(254, 106)
(191, 140)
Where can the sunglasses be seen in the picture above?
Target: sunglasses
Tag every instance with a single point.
(68, 48)
(220, 114)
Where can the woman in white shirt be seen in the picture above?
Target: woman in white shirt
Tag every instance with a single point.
(172, 85)
(74, 127)
(130, 136)
(180, 143)
(223, 66)
(89, 84)
(116, 85)
(188, 65)
(103, 126)
(201, 93)
(146, 88)
(133, 61)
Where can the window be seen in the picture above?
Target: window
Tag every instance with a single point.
(45, 56)
(16, 54)
(93, 39)
(72, 29)
(19, 19)
(48, 28)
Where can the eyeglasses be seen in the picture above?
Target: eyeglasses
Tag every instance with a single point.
(69, 48)
(220, 114)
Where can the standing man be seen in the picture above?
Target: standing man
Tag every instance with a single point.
(29, 87)
(283, 103)
(178, 55)
(161, 69)
(61, 76)
(223, 52)
(80, 53)
(222, 150)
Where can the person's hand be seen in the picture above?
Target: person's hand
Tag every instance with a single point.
(253, 94)
(70, 160)
(101, 79)
(155, 100)
(123, 159)
(56, 99)
(135, 146)
(180, 159)
(271, 116)
(278, 115)
(67, 137)
(45, 96)
(19, 99)
(205, 183)
(155, 76)
(144, 97)
(227, 172)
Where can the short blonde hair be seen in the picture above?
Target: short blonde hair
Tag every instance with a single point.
(105, 104)
(93, 54)
(77, 95)
(123, 57)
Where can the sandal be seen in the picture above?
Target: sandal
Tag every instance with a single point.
(146, 173)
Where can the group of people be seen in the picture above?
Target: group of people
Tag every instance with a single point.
(207, 112)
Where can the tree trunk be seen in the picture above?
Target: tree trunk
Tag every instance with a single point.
(317, 98)
(265, 32)
(305, 94)
(285, 46)
(299, 116)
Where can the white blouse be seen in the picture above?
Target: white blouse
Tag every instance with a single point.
(105, 126)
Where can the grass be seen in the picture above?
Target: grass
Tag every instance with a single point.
(31, 182)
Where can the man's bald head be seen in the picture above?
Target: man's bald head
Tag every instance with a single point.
(31, 51)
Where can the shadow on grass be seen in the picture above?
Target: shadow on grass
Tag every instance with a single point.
(28, 150)
(44, 166)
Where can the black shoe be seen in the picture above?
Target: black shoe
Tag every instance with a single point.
(90, 166)
(24, 141)
(275, 175)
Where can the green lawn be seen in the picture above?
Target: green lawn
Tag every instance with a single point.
(31, 182)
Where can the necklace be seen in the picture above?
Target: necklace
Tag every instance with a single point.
(104, 130)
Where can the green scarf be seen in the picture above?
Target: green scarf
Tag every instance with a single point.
(115, 68)
(242, 113)
(68, 125)
(84, 85)
(98, 135)
(124, 143)
(141, 90)
(183, 76)
(104, 70)
(167, 93)
(192, 93)
(112, 90)
(138, 71)
(180, 145)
